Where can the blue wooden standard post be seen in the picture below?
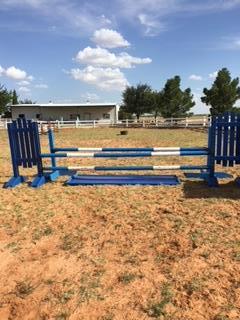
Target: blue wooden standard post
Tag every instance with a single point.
(52, 146)
(13, 142)
(210, 178)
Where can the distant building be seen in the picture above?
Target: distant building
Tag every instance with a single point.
(74, 111)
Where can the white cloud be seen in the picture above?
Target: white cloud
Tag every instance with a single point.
(152, 13)
(1, 71)
(24, 83)
(151, 24)
(103, 78)
(76, 18)
(41, 86)
(30, 78)
(108, 38)
(213, 75)
(104, 58)
(15, 74)
(70, 17)
(24, 90)
(90, 96)
(195, 77)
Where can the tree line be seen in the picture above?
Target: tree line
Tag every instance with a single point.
(8, 97)
(172, 101)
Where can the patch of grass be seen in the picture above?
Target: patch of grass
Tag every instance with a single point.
(39, 233)
(126, 278)
(156, 310)
(66, 296)
(134, 260)
(195, 285)
(194, 236)
(13, 246)
(89, 289)
(23, 289)
(160, 257)
(236, 256)
(221, 317)
(205, 254)
(108, 316)
(62, 316)
(71, 243)
(49, 281)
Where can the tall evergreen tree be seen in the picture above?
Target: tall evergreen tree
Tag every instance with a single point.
(137, 100)
(223, 94)
(5, 98)
(175, 102)
(14, 97)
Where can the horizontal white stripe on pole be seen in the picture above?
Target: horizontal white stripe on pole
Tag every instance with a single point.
(85, 168)
(169, 153)
(166, 167)
(79, 154)
(89, 149)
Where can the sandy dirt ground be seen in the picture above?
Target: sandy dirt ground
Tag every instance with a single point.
(104, 253)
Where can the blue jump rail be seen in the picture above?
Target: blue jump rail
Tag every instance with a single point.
(124, 155)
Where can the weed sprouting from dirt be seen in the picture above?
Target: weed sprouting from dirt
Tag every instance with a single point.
(157, 309)
(23, 289)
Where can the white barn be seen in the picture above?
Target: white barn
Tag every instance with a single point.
(58, 111)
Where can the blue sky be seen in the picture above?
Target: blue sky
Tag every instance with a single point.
(74, 51)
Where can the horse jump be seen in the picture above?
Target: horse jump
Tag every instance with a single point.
(223, 148)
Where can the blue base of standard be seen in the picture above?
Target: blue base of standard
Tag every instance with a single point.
(14, 181)
(88, 180)
(203, 175)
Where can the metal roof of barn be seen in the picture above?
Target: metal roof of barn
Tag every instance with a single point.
(62, 105)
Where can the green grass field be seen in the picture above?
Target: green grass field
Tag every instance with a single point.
(106, 253)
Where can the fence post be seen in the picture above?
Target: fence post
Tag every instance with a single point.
(94, 124)
(143, 123)
(186, 122)
(204, 121)
(126, 122)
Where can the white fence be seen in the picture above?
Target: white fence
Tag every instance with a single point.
(193, 122)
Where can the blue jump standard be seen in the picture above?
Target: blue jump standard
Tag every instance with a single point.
(89, 180)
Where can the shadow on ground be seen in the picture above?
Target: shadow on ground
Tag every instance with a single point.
(198, 190)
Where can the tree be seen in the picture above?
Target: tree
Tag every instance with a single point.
(174, 101)
(5, 99)
(223, 94)
(26, 101)
(157, 103)
(14, 97)
(137, 99)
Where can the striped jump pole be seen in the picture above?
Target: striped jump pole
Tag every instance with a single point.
(124, 154)
(156, 149)
(126, 168)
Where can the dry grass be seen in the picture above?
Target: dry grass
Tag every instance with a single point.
(119, 252)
